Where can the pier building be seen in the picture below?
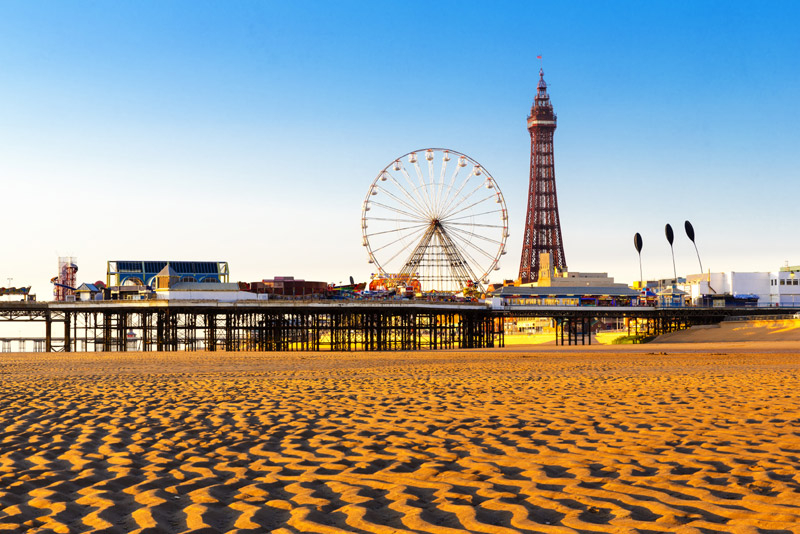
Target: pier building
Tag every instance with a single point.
(763, 289)
(143, 272)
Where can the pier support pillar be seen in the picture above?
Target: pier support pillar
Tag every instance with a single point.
(48, 333)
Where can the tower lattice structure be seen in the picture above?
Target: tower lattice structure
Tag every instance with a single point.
(542, 225)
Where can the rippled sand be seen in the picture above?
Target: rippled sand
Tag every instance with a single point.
(503, 441)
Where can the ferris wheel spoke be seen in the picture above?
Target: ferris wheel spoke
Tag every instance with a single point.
(432, 184)
(483, 263)
(394, 257)
(484, 269)
(442, 174)
(397, 254)
(468, 243)
(423, 187)
(423, 207)
(399, 239)
(396, 210)
(393, 230)
(465, 234)
(397, 220)
(420, 212)
(473, 215)
(471, 225)
(470, 262)
(449, 189)
(414, 206)
(417, 256)
(413, 200)
(470, 206)
(456, 257)
(455, 196)
(436, 185)
(461, 200)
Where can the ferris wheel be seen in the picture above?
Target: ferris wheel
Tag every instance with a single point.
(436, 218)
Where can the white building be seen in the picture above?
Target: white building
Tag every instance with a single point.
(785, 286)
(778, 288)
(217, 291)
(168, 287)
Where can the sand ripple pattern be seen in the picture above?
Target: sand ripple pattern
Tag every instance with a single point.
(448, 442)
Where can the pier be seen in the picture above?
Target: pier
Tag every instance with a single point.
(257, 326)
(317, 325)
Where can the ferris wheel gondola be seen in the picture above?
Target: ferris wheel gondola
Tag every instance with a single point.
(435, 216)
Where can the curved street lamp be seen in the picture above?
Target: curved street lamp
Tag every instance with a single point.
(690, 234)
(637, 242)
(671, 238)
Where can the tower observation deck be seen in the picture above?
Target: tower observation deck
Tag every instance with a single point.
(542, 225)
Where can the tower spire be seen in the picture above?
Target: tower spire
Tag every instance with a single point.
(542, 224)
(542, 100)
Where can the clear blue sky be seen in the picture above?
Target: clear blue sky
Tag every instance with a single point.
(250, 131)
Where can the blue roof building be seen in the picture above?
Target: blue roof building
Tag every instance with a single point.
(143, 273)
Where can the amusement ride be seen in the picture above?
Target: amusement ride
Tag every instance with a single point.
(434, 220)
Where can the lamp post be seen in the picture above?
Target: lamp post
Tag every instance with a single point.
(690, 234)
(670, 238)
(637, 243)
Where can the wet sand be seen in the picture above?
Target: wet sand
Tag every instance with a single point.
(653, 438)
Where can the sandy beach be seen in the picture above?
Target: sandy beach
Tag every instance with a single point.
(683, 438)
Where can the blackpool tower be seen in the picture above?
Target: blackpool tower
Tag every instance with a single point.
(542, 225)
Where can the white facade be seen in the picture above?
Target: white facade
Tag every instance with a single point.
(778, 288)
(218, 296)
(785, 287)
(84, 296)
(216, 291)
